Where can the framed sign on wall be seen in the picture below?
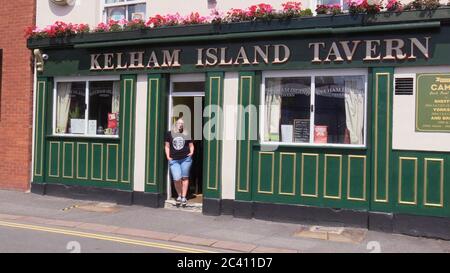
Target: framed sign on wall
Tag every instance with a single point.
(433, 103)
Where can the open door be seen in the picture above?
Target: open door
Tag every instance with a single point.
(187, 100)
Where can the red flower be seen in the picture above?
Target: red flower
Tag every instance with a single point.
(156, 21)
(259, 10)
(291, 6)
(236, 15)
(194, 18)
(81, 28)
(30, 31)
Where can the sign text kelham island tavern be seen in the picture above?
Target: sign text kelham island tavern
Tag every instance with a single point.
(322, 52)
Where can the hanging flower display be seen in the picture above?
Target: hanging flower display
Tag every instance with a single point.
(134, 24)
(156, 21)
(261, 11)
(329, 9)
(394, 6)
(194, 19)
(292, 9)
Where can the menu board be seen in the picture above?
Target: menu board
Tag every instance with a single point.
(301, 130)
(433, 103)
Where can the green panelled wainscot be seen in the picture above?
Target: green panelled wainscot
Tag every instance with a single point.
(351, 119)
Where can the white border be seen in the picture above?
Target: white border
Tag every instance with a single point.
(311, 73)
(85, 79)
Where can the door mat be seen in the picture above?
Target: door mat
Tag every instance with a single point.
(191, 207)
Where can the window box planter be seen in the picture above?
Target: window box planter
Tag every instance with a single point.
(307, 22)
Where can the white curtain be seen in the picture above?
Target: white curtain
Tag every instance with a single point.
(354, 109)
(115, 97)
(63, 106)
(273, 110)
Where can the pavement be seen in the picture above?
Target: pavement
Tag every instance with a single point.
(142, 229)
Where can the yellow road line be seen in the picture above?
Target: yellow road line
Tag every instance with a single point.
(103, 237)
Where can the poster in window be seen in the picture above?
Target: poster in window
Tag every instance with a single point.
(77, 126)
(92, 128)
(320, 134)
(286, 133)
(112, 120)
(433, 103)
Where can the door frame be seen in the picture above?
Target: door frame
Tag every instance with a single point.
(197, 77)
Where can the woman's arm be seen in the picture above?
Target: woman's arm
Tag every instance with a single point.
(167, 149)
(191, 149)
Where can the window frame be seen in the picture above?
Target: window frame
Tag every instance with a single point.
(312, 74)
(104, 6)
(316, 2)
(86, 111)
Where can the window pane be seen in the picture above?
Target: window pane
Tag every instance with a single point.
(136, 12)
(115, 13)
(339, 110)
(343, 4)
(104, 98)
(287, 116)
(70, 108)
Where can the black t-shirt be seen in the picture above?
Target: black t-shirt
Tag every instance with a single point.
(179, 144)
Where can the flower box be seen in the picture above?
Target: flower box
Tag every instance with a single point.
(306, 22)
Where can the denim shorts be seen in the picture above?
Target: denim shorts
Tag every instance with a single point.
(180, 168)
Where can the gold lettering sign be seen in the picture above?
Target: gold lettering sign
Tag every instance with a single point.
(269, 54)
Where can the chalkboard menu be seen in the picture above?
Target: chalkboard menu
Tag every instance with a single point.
(301, 130)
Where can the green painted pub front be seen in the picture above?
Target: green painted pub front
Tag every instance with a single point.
(375, 185)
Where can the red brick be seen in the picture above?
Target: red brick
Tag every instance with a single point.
(16, 101)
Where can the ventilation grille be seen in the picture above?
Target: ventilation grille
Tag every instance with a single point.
(404, 86)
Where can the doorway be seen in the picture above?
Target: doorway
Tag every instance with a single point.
(187, 100)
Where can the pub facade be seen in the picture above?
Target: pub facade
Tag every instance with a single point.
(340, 118)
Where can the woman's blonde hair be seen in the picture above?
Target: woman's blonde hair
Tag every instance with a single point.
(174, 127)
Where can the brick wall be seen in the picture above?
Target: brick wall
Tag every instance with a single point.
(16, 101)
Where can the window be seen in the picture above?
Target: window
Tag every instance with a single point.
(124, 9)
(342, 3)
(323, 109)
(87, 108)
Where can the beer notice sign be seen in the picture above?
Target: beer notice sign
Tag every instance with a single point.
(433, 103)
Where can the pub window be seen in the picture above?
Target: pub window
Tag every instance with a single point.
(87, 108)
(124, 9)
(320, 109)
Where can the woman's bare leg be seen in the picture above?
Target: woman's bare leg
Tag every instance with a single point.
(185, 186)
(179, 187)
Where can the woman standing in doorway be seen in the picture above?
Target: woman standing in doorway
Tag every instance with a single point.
(179, 150)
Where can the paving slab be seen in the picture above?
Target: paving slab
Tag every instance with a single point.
(145, 233)
(193, 240)
(98, 227)
(242, 247)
